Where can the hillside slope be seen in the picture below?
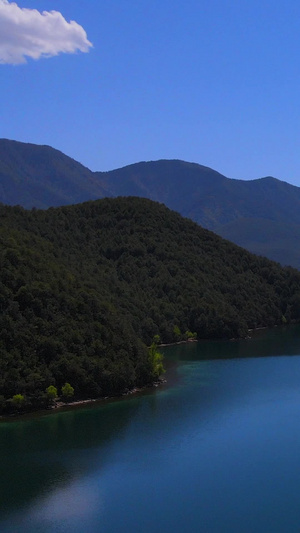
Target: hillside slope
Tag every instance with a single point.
(40, 176)
(262, 215)
(84, 288)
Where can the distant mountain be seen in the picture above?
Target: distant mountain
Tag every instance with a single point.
(40, 176)
(261, 215)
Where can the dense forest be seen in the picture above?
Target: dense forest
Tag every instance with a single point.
(86, 288)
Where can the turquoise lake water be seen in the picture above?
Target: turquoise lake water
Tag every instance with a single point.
(216, 449)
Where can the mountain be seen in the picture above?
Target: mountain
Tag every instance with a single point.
(261, 215)
(84, 289)
(40, 176)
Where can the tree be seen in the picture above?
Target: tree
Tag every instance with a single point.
(156, 339)
(18, 401)
(189, 335)
(156, 360)
(177, 333)
(51, 392)
(67, 391)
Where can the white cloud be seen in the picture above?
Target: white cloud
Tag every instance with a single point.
(29, 33)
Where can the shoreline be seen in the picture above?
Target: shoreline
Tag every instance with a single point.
(188, 341)
(60, 405)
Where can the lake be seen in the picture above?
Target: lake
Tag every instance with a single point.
(216, 449)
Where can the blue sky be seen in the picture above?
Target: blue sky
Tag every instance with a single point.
(216, 83)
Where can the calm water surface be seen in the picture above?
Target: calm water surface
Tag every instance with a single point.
(216, 450)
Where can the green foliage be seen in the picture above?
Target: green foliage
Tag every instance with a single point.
(190, 336)
(51, 392)
(156, 361)
(177, 333)
(67, 391)
(85, 288)
(18, 401)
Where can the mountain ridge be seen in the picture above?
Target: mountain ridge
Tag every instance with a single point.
(251, 213)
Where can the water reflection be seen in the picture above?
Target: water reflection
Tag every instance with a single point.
(205, 451)
(41, 454)
(261, 343)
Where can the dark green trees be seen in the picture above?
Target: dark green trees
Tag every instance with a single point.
(84, 290)
(67, 392)
(51, 392)
(156, 359)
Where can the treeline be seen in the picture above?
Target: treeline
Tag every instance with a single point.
(85, 288)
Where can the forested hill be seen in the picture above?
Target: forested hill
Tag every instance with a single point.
(261, 215)
(85, 288)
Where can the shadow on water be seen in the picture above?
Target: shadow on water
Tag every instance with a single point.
(283, 340)
(42, 453)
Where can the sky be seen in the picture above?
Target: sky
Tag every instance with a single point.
(114, 82)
